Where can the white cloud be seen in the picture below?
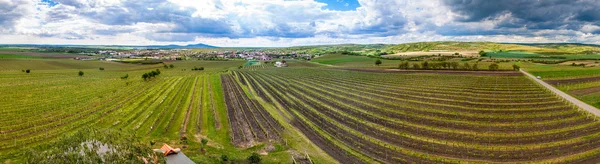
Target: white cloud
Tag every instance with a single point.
(261, 23)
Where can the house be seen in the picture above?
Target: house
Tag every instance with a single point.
(174, 156)
(281, 64)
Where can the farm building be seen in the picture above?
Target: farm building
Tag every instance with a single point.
(174, 156)
(281, 64)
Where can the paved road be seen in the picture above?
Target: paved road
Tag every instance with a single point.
(568, 97)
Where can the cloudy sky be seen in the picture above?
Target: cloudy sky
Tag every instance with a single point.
(295, 22)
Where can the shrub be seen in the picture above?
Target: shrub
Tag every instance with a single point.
(254, 158)
(378, 62)
(493, 67)
(224, 158)
(416, 66)
(27, 71)
(101, 68)
(80, 73)
(125, 77)
(516, 67)
(171, 66)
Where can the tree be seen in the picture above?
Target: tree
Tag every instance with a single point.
(254, 158)
(493, 67)
(483, 53)
(403, 65)
(171, 66)
(454, 65)
(101, 68)
(164, 65)
(204, 141)
(466, 66)
(145, 76)
(157, 72)
(378, 62)
(425, 65)
(474, 68)
(80, 73)
(125, 77)
(516, 67)
(416, 66)
(27, 71)
(240, 67)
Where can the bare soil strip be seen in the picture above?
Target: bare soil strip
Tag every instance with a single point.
(586, 91)
(573, 81)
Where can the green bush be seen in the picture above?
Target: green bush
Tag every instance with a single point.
(254, 158)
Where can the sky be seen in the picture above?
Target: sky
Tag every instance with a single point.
(282, 23)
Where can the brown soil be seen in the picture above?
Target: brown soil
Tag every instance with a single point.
(573, 81)
(585, 91)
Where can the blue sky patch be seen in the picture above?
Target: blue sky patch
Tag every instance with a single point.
(340, 5)
(50, 2)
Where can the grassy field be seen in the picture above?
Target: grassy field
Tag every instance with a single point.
(11, 56)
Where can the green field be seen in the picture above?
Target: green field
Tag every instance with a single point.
(11, 56)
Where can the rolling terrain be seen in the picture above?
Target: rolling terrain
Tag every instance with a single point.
(335, 108)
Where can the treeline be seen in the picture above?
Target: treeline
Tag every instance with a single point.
(150, 75)
(198, 68)
(449, 66)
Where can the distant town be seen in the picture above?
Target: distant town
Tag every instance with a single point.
(191, 54)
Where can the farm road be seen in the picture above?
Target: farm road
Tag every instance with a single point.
(568, 97)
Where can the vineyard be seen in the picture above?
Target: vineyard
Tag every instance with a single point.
(305, 112)
(424, 118)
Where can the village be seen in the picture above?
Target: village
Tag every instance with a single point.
(191, 54)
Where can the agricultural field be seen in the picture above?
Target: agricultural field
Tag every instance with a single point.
(333, 109)
(582, 82)
(179, 107)
(403, 118)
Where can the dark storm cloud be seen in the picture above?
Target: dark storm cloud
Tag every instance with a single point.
(131, 12)
(528, 14)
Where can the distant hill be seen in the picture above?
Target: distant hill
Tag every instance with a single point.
(452, 46)
(114, 46)
(541, 48)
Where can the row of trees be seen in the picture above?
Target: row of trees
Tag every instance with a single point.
(197, 69)
(447, 66)
(168, 66)
(150, 75)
